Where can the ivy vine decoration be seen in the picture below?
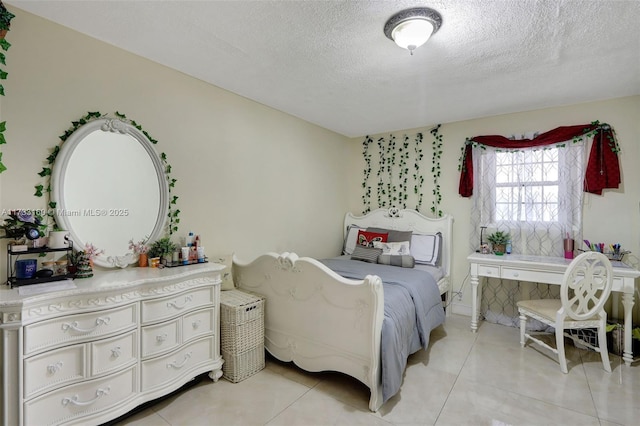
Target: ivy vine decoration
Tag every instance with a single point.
(381, 164)
(5, 23)
(44, 189)
(366, 198)
(393, 171)
(417, 176)
(436, 146)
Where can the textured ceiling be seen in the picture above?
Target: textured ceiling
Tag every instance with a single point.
(329, 62)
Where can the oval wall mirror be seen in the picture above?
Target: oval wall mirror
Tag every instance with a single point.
(109, 187)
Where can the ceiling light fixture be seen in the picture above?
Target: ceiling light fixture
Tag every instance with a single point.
(412, 28)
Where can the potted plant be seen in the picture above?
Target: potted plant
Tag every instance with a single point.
(23, 224)
(5, 20)
(141, 249)
(162, 248)
(499, 241)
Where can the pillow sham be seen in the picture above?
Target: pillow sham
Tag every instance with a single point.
(427, 248)
(366, 254)
(397, 248)
(404, 261)
(367, 239)
(393, 235)
(351, 239)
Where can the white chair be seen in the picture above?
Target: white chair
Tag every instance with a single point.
(586, 286)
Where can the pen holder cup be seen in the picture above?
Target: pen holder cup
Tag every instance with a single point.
(568, 248)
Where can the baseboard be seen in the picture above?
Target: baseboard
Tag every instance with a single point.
(460, 309)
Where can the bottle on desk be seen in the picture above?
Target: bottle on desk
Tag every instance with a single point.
(508, 247)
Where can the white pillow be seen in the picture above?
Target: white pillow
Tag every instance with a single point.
(351, 239)
(426, 248)
(394, 249)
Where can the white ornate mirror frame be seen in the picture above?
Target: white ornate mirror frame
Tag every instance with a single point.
(109, 186)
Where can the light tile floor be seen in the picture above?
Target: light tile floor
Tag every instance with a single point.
(462, 379)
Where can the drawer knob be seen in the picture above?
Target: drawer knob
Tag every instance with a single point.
(116, 352)
(74, 399)
(515, 274)
(75, 325)
(179, 365)
(176, 305)
(161, 337)
(196, 324)
(54, 368)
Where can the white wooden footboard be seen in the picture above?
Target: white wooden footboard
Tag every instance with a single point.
(318, 319)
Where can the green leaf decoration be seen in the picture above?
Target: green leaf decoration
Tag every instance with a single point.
(52, 204)
(4, 44)
(46, 171)
(1, 90)
(2, 139)
(3, 59)
(3, 75)
(39, 189)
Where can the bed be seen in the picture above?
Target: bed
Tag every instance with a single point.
(332, 314)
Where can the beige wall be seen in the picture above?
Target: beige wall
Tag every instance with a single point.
(612, 217)
(250, 179)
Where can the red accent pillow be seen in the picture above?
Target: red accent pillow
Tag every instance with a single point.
(367, 239)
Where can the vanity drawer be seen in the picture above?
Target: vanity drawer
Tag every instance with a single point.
(165, 369)
(80, 327)
(54, 369)
(197, 324)
(80, 399)
(112, 354)
(168, 307)
(160, 338)
(489, 271)
(532, 275)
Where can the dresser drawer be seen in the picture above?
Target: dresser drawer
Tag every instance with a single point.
(165, 369)
(532, 275)
(197, 324)
(168, 307)
(54, 369)
(160, 338)
(489, 271)
(80, 327)
(81, 399)
(114, 353)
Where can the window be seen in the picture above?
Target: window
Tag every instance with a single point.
(535, 194)
(527, 185)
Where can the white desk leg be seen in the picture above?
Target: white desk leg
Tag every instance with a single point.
(627, 303)
(474, 301)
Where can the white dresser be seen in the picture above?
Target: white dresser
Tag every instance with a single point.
(90, 354)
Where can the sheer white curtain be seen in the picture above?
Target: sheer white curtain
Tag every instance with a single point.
(536, 195)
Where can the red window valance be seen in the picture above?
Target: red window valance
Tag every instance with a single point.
(603, 168)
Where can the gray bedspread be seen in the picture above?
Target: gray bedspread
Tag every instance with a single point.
(412, 308)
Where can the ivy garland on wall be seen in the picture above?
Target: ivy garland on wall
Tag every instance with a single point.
(5, 45)
(44, 189)
(436, 147)
(393, 187)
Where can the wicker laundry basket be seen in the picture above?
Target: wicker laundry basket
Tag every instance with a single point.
(241, 334)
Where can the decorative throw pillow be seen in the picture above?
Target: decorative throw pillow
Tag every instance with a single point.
(351, 239)
(225, 275)
(393, 235)
(366, 254)
(404, 261)
(397, 248)
(367, 239)
(427, 248)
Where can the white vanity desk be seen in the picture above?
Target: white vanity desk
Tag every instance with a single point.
(91, 354)
(548, 270)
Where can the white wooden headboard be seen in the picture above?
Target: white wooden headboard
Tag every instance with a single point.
(408, 220)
